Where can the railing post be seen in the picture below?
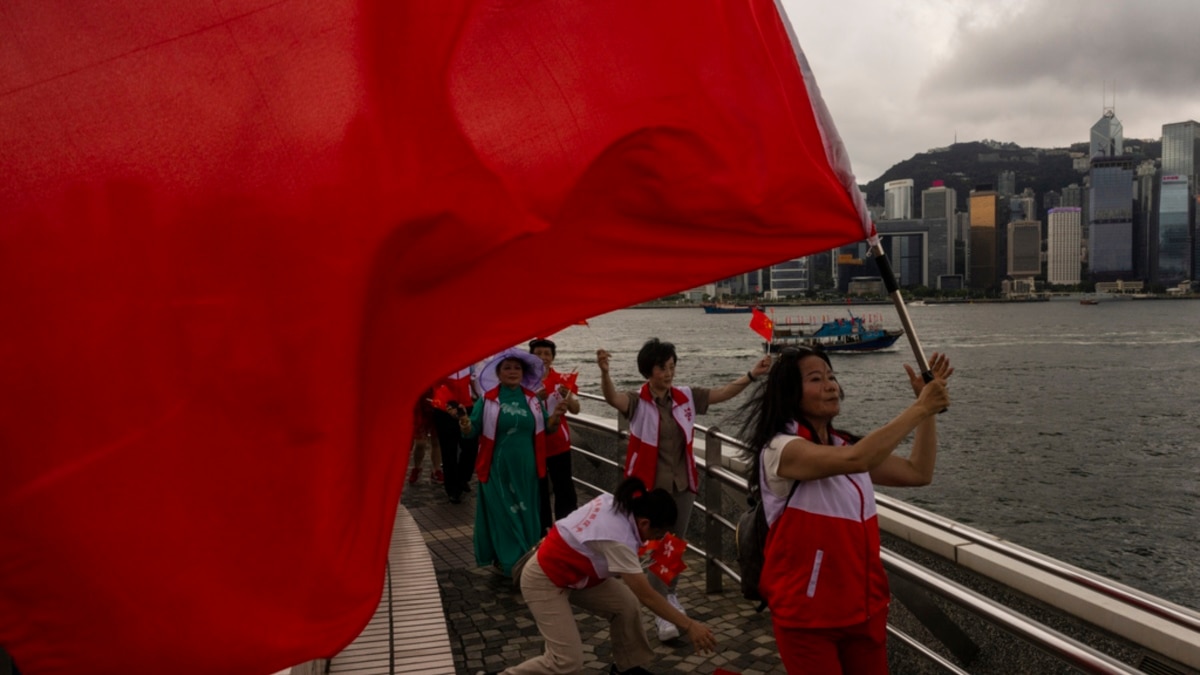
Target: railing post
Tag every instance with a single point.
(712, 502)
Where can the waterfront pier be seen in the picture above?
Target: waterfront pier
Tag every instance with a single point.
(963, 601)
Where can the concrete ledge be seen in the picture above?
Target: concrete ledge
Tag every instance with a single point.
(937, 541)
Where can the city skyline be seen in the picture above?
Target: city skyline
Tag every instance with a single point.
(901, 78)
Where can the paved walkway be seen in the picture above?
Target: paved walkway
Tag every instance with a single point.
(491, 628)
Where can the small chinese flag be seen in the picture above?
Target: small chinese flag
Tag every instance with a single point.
(762, 324)
(441, 397)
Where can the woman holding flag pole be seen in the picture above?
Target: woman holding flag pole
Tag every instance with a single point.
(823, 577)
(661, 423)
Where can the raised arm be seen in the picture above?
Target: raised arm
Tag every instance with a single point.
(617, 399)
(728, 391)
(804, 460)
(917, 468)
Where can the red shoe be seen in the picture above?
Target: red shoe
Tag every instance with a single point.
(437, 477)
(414, 475)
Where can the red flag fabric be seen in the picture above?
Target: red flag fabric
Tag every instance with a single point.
(762, 324)
(224, 228)
(555, 379)
(442, 397)
(666, 557)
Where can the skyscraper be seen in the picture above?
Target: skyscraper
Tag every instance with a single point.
(1174, 216)
(1063, 245)
(1110, 219)
(898, 199)
(1024, 249)
(1108, 139)
(790, 277)
(938, 201)
(1006, 183)
(984, 208)
(1181, 148)
(1072, 195)
(1145, 220)
(1178, 258)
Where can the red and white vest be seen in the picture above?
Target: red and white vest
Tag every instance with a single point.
(641, 459)
(487, 435)
(822, 566)
(564, 554)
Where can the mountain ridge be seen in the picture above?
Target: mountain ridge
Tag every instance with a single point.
(963, 166)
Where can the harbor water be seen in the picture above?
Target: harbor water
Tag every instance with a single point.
(1074, 430)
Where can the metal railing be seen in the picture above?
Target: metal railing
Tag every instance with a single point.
(718, 479)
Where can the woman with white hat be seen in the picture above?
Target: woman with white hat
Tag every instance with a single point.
(511, 424)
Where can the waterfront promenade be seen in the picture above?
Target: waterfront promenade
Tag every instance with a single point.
(456, 617)
(490, 628)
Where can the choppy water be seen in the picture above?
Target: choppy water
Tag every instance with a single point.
(1073, 430)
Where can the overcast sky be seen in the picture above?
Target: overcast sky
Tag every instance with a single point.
(903, 76)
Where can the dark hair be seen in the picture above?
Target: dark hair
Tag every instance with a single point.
(524, 366)
(543, 342)
(655, 353)
(657, 505)
(776, 403)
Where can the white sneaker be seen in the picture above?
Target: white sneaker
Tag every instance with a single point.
(666, 629)
(674, 600)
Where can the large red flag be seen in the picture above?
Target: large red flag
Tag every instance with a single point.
(225, 228)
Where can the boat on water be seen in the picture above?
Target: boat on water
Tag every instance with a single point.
(838, 335)
(1088, 301)
(726, 308)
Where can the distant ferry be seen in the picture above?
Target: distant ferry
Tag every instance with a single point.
(725, 308)
(839, 335)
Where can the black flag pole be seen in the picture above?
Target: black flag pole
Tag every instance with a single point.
(893, 289)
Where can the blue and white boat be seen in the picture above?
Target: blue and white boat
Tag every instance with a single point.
(853, 334)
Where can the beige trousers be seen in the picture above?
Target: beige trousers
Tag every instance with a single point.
(551, 608)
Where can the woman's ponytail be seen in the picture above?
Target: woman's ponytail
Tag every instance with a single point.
(656, 505)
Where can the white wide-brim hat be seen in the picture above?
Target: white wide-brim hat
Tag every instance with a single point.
(534, 370)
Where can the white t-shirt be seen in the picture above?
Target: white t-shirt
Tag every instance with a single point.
(621, 559)
(770, 457)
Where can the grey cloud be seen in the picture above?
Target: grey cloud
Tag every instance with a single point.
(1147, 48)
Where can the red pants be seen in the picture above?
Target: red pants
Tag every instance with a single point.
(860, 649)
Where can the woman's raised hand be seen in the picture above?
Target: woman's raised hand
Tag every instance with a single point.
(934, 397)
(939, 366)
(762, 366)
(602, 357)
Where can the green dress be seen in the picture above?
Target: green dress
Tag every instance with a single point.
(507, 520)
